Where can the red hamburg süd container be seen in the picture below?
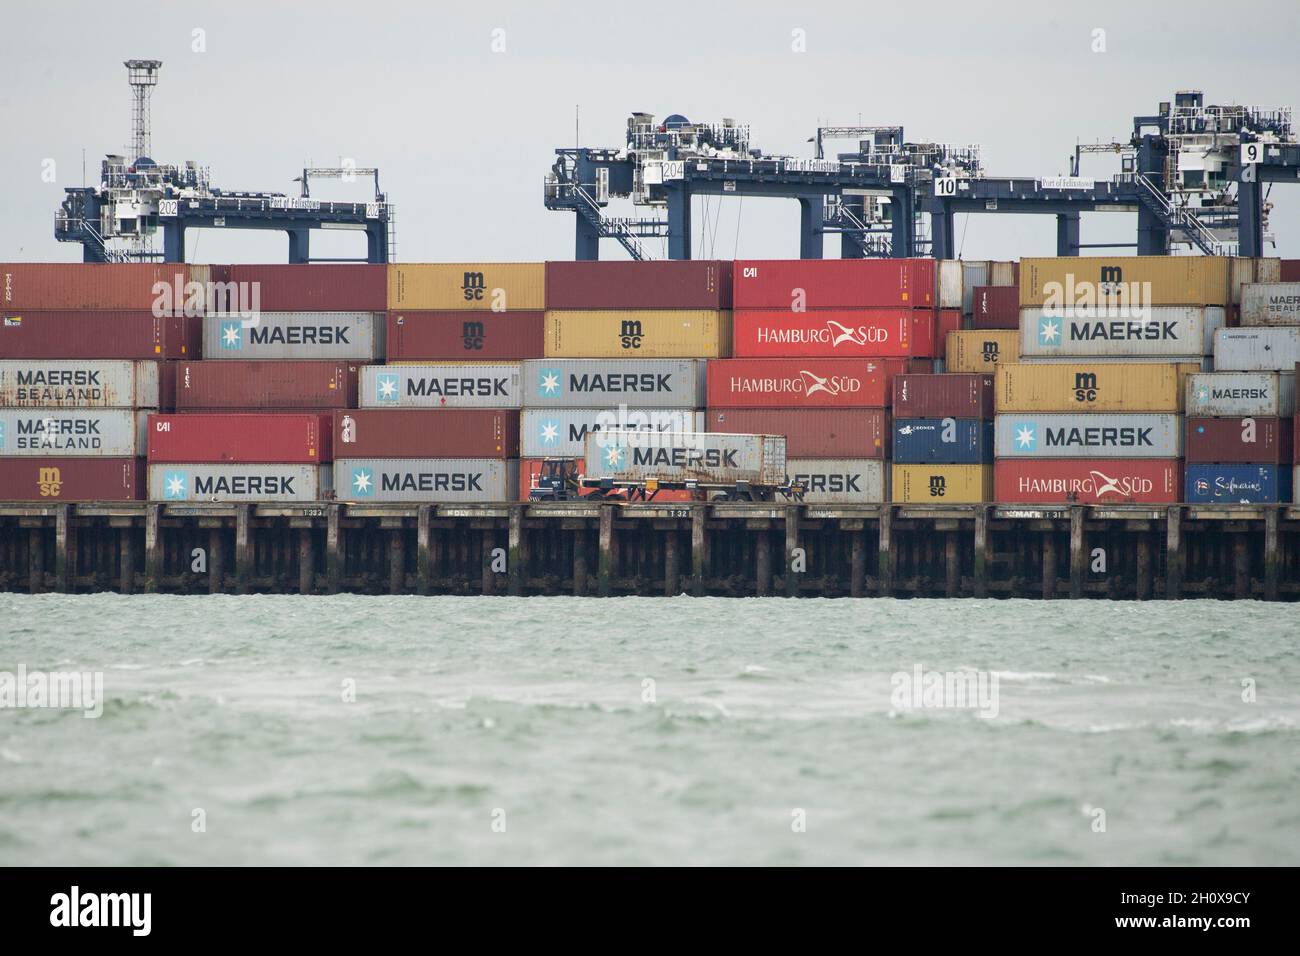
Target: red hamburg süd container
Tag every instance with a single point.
(531, 468)
(1262, 441)
(465, 336)
(996, 307)
(811, 432)
(833, 283)
(943, 396)
(663, 284)
(235, 438)
(317, 287)
(1085, 481)
(71, 479)
(265, 386)
(801, 383)
(427, 433)
(826, 333)
(98, 335)
(125, 286)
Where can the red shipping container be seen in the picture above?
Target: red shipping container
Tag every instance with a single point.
(1290, 270)
(922, 335)
(943, 396)
(996, 307)
(949, 321)
(915, 366)
(98, 335)
(126, 286)
(1083, 481)
(662, 284)
(465, 336)
(1262, 441)
(531, 468)
(800, 383)
(265, 386)
(50, 480)
(838, 333)
(269, 439)
(833, 283)
(811, 432)
(319, 287)
(427, 433)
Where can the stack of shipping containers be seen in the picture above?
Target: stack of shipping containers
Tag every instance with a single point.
(943, 438)
(991, 319)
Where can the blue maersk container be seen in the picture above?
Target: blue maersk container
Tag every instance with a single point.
(1238, 484)
(943, 441)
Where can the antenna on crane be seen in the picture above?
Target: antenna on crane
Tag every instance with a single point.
(143, 77)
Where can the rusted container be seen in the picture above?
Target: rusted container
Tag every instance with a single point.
(316, 287)
(1261, 441)
(1239, 394)
(1085, 481)
(51, 480)
(662, 284)
(995, 307)
(99, 335)
(787, 284)
(812, 432)
(265, 385)
(237, 438)
(427, 433)
(451, 335)
(824, 333)
(799, 383)
(1272, 303)
(943, 396)
(71, 432)
(80, 383)
(161, 289)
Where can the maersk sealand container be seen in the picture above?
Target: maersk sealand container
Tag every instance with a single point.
(1238, 484)
(943, 441)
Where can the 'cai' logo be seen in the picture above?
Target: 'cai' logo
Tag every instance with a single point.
(1049, 330)
(175, 486)
(550, 382)
(1026, 436)
(363, 482)
(386, 388)
(938, 486)
(50, 482)
(232, 335)
(473, 333)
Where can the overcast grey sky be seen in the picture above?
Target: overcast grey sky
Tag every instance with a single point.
(463, 135)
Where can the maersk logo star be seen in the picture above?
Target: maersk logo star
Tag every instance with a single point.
(231, 337)
(1202, 394)
(1049, 331)
(174, 486)
(548, 382)
(614, 457)
(363, 482)
(550, 433)
(386, 388)
(1026, 440)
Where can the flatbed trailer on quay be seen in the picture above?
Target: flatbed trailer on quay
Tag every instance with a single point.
(602, 548)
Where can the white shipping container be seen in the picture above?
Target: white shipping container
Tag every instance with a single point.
(590, 383)
(1002, 273)
(1092, 435)
(1257, 349)
(72, 432)
(974, 273)
(242, 482)
(427, 480)
(833, 481)
(1241, 395)
(712, 457)
(295, 335)
(78, 383)
(948, 276)
(1156, 330)
(1273, 303)
(562, 432)
(441, 385)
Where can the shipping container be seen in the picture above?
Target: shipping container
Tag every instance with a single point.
(710, 457)
(922, 337)
(637, 383)
(158, 289)
(316, 287)
(996, 307)
(239, 482)
(1260, 441)
(235, 438)
(1089, 435)
(974, 273)
(1155, 331)
(844, 333)
(624, 286)
(562, 432)
(1274, 303)
(98, 335)
(679, 333)
(788, 284)
(1088, 386)
(530, 469)
(79, 383)
(433, 480)
(1247, 271)
(1289, 270)
(1004, 274)
(476, 286)
(426, 433)
(51, 480)
(948, 278)
(1239, 394)
(950, 320)
(943, 396)
(1136, 280)
(453, 335)
(938, 441)
(1088, 481)
(265, 386)
(72, 432)
(942, 484)
(981, 351)
(442, 385)
(812, 432)
(841, 481)
(1257, 349)
(297, 336)
(1219, 483)
(798, 383)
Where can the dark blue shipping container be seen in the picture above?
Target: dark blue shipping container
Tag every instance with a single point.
(943, 441)
(1238, 484)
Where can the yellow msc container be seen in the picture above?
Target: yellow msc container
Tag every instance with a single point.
(1125, 280)
(1088, 386)
(666, 333)
(980, 350)
(477, 286)
(942, 484)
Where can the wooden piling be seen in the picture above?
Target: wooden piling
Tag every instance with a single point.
(672, 565)
(1143, 566)
(858, 563)
(699, 550)
(126, 559)
(885, 552)
(64, 552)
(1272, 560)
(396, 560)
(1049, 564)
(1174, 553)
(791, 546)
(306, 561)
(1240, 567)
(243, 555)
(605, 562)
(152, 551)
(1078, 556)
(981, 551)
(333, 550)
(35, 559)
